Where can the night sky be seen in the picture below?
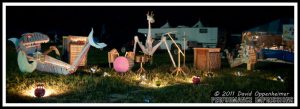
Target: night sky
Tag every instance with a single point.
(122, 22)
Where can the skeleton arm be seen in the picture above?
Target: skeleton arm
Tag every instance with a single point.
(51, 49)
(136, 40)
(163, 39)
(80, 57)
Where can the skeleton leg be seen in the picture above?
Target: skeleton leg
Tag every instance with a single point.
(53, 65)
(80, 57)
(163, 39)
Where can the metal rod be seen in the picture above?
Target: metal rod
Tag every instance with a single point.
(178, 58)
(175, 44)
(184, 50)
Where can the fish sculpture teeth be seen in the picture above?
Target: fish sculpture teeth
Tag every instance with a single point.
(29, 39)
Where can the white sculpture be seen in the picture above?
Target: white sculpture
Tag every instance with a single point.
(246, 54)
(148, 49)
(27, 51)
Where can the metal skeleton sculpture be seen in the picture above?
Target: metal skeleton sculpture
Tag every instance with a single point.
(246, 54)
(28, 47)
(148, 49)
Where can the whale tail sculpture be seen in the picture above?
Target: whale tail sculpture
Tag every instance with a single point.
(92, 42)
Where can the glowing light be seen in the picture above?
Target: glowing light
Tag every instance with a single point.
(143, 77)
(274, 78)
(209, 74)
(155, 83)
(93, 70)
(279, 78)
(184, 80)
(143, 83)
(135, 77)
(106, 74)
(49, 90)
(282, 80)
(238, 73)
(31, 92)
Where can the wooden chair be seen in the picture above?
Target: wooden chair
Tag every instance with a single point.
(112, 55)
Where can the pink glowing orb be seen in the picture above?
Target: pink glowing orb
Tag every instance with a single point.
(122, 64)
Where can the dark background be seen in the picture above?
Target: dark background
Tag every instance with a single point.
(116, 25)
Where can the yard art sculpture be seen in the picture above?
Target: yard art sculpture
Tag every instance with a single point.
(249, 50)
(148, 49)
(246, 54)
(179, 51)
(30, 57)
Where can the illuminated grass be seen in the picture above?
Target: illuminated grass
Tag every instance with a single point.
(87, 87)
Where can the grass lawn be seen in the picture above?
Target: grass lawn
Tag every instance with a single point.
(87, 87)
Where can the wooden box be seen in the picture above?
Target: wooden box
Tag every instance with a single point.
(207, 58)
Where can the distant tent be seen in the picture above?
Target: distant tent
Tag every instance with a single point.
(198, 24)
(167, 25)
(273, 27)
(182, 26)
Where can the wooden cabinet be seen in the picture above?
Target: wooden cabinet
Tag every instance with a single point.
(207, 58)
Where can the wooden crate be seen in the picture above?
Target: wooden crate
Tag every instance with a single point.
(207, 58)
